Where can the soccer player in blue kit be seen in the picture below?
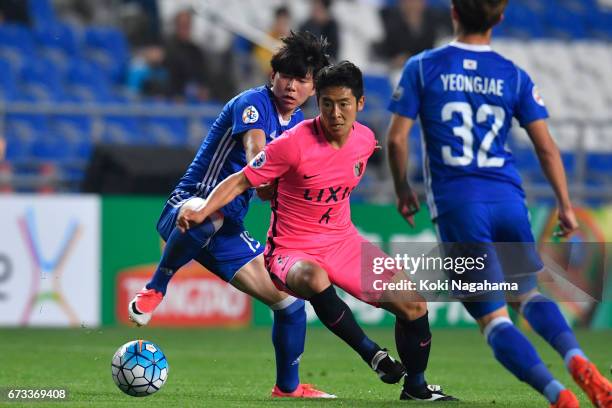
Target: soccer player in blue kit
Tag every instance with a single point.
(222, 244)
(466, 95)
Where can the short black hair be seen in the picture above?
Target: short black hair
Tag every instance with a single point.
(343, 74)
(282, 11)
(326, 4)
(302, 53)
(478, 16)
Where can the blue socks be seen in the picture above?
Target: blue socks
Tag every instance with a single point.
(180, 249)
(515, 352)
(288, 337)
(546, 319)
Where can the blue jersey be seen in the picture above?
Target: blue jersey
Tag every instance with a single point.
(222, 152)
(466, 97)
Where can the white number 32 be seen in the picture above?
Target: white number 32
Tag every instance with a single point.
(465, 133)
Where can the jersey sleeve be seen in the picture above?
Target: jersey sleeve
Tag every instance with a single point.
(249, 113)
(406, 99)
(529, 105)
(277, 158)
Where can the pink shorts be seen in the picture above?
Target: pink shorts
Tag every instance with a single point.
(348, 265)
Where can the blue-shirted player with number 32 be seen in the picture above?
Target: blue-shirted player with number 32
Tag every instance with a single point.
(466, 96)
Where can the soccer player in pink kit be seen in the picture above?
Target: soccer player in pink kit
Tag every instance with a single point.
(312, 243)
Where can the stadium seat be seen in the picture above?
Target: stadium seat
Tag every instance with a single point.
(8, 89)
(57, 35)
(599, 163)
(25, 125)
(563, 23)
(108, 48)
(17, 148)
(52, 146)
(522, 22)
(378, 90)
(77, 131)
(18, 37)
(40, 70)
(123, 130)
(82, 71)
(41, 11)
(167, 131)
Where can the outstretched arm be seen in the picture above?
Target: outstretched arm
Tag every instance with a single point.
(550, 160)
(254, 142)
(225, 192)
(397, 145)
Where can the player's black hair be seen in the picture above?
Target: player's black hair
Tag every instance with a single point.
(326, 4)
(301, 53)
(343, 74)
(478, 16)
(281, 11)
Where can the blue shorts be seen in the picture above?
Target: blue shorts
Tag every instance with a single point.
(499, 231)
(228, 250)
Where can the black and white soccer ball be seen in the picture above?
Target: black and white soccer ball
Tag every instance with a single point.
(139, 368)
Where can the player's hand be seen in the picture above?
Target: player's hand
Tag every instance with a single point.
(407, 203)
(266, 191)
(567, 222)
(188, 218)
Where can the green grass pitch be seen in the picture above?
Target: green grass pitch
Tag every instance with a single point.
(221, 368)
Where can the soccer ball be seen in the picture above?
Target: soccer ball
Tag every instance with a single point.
(139, 368)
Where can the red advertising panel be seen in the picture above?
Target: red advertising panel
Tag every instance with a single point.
(195, 297)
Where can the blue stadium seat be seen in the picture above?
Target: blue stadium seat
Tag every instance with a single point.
(167, 131)
(599, 162)
(378, 90)
(41, 11)
(108, 48)
(599, 24)
(21, 131)
(416, 153)
(564, 24)
(82, 71)
(40, 70)
(123, 130)
(40, 81)
(106, 61)
(17, 36)
(528, 165)
(90, 93)
(520, 21)
(83, 150)
(8, 89)
(39, 92)
(17, 148)
(26, 125)
(76, 129)
(87, 82)
(569, 163)
(55, 34)
(52, 146)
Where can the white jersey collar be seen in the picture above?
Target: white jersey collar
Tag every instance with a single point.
(471, 47)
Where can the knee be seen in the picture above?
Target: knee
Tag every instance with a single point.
(308, 277)
(487, 322)
(411, 310)
(518, 302)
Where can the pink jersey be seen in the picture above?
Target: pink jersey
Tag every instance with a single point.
(311, 209)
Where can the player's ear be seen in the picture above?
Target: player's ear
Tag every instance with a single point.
(313, 91)
(360, 103)
(272, 75)
(454, 14)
